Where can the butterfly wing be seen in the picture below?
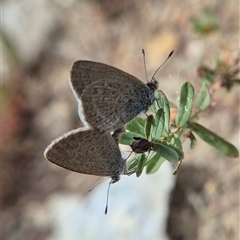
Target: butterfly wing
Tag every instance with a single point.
(84, 73)
(86, 151)
(107, 97)
(108, 104)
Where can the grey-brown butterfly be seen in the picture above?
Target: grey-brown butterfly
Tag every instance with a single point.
(88, 151)
(108, 97)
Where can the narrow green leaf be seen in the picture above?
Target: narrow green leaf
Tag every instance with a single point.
(137, 125)
(142, 159)
(127, 138)
(133, 163)
(175, 141)
(148, 125)
(214, 140)
(166, 110)
(207, 79)
(159, 124)
(193, 141)
(174, 148)
(185, 104)
(150, 155)
(166, 152)
(154, 163)
(203, 99)
(157, 103)
(161, 102)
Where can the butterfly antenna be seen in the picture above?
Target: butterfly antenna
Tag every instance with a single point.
(170, 54)
(106, 208)
(144, 62)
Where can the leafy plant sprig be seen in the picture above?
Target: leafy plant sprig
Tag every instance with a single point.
(159, 137)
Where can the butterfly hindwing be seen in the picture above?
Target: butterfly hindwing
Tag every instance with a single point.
(86, 151)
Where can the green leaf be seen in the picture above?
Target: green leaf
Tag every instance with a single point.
(127, 138)
(203, 99)
(162, 102)
(176, 141)
(137, 125)
(166, 110)
(207, 79)
(193, 141)
(154, 162)
(159, 123)
(157, 102)
(214, 140)
(155, 105)
(133, 163)
(141, 163)
(185, 104)
(148, 125)
(176, 149)
(166, 152)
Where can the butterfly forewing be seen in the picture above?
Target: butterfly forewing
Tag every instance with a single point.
(108, 97)
(84, 73)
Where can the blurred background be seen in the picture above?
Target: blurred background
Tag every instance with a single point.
(40, 40)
